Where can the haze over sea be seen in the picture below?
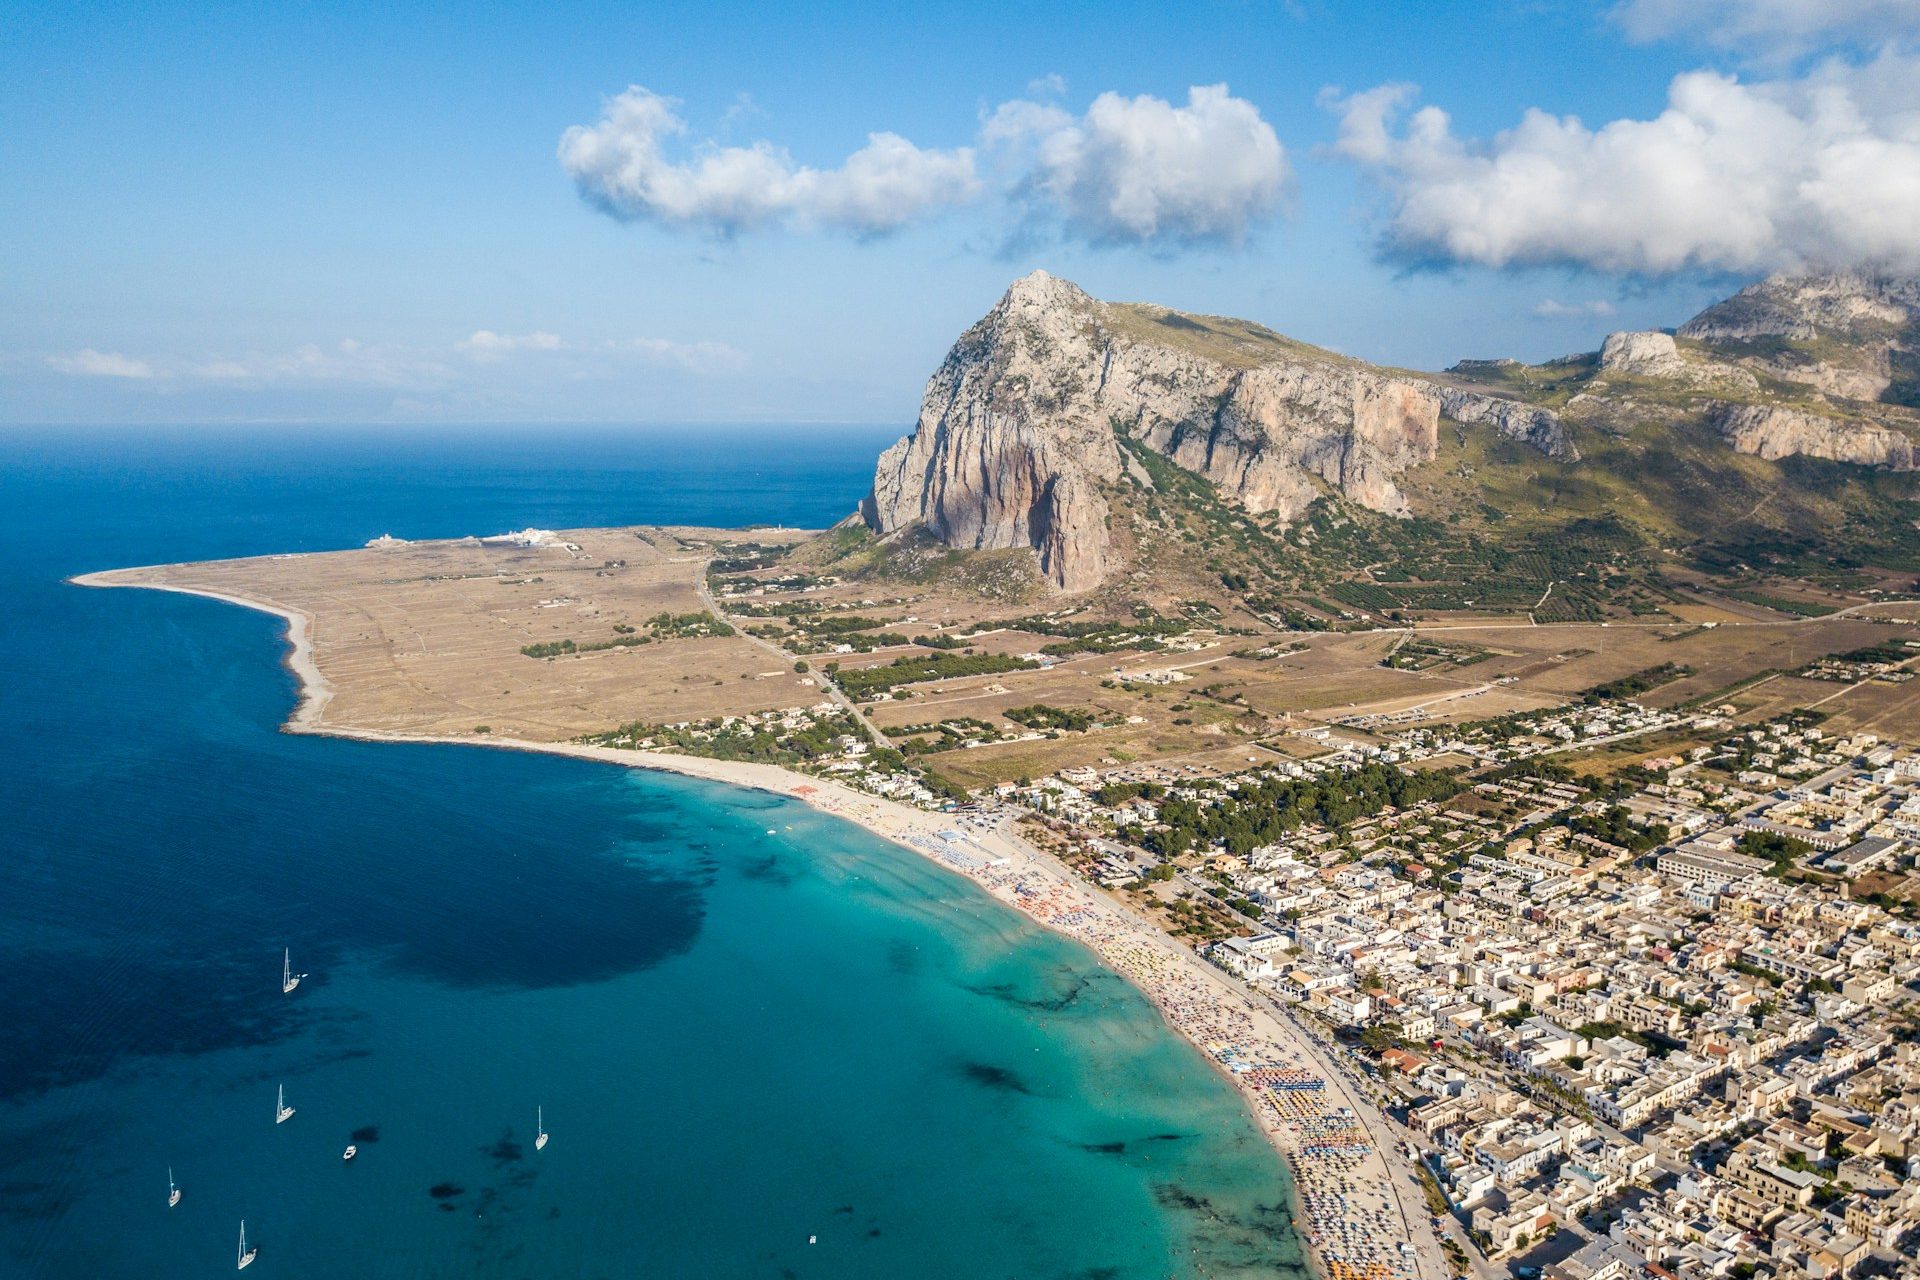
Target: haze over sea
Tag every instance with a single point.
(748, 1023)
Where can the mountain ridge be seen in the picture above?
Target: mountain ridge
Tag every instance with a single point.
(1028, 431)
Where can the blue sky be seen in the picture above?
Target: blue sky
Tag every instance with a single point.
(363, 213)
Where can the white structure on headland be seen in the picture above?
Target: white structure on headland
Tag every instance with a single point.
(531, 538)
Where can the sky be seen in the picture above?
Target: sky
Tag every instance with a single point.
(655, 212)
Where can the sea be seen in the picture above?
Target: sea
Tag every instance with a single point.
(763, 1041)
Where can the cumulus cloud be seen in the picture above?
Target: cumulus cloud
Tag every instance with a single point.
(621, 164)
(348, 362)
(1139, 170)
(1774, 27)
(1554, 309)
(1815, 170)
(89, 363)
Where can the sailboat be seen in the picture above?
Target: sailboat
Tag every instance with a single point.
(246, 1254)
(282, 1112)
(173, 1192)
(288, 978)
(540, 1128)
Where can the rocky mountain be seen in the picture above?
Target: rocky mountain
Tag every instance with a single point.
(1021, 429)
(1849, 335)
(1046, 409)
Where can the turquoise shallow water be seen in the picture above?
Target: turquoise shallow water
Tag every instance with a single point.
(748, 1023)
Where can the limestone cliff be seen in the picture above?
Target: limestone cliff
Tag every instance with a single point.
(1018, 437)
(1007, 452)
(1772, 432)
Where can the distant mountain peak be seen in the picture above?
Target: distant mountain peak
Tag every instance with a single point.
(1851, 334)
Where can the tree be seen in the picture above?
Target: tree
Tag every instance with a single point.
(1382, 1037)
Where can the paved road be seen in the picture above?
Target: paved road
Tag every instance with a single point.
(786, 659)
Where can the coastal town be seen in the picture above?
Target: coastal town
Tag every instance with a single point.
(1505, 1015)
(1660, 1024)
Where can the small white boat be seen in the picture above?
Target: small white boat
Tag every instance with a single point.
(288, 978)
(173, 1192)
(282, 1112)
(540, 1128)
(246, 1254)
(350, 1152)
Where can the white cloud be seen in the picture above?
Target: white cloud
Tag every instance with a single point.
(1816, 170)
(346, 362)
(486, 343)
(100, 364)
(1141, 170)
(353, 364)
(1553, 309)
(695, 357)
(621, 165)
(1129, 171)
(1772, 27)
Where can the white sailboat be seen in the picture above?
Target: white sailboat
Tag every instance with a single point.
(288, 978)
(173, 1192)
(246, 1254)
(282, 1112)
(540, 1128)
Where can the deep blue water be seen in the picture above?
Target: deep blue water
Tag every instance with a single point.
(748, 1023)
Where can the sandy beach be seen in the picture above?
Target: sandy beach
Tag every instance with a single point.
(1355, 1219)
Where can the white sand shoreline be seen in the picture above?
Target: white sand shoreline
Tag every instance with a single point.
(1333, 1169)
(315, 691)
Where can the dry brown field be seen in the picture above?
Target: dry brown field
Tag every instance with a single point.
(426, 638)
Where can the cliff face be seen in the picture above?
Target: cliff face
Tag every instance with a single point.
(1007, 452)
(1773, 433)
(1016, 440)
